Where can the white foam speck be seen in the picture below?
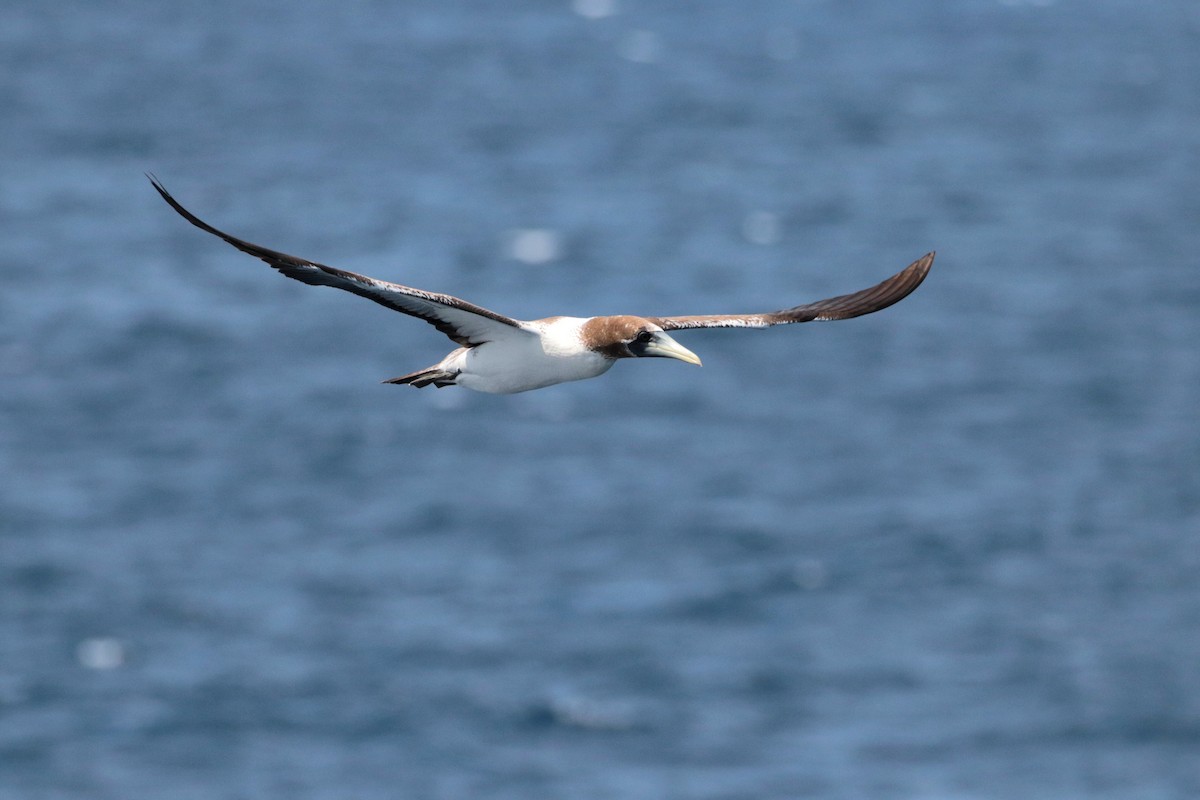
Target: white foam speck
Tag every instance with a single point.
(100, 653)
(641, 46)
(534, 245)
(580, 712)
(761, 227)
(595, 9)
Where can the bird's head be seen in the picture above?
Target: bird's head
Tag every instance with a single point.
(633, 337)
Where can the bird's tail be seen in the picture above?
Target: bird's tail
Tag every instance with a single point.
(438, 376)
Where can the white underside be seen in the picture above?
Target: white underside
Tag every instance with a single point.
(543, 354)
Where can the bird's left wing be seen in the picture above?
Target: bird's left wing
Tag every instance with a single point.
(845, 306)
(465, 323)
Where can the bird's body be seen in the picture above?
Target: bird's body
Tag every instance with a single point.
(502, 355)
(542, 353)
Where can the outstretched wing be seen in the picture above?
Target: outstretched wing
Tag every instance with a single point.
(465, 323)
(845, 306)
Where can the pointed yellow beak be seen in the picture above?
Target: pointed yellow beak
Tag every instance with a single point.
(663, 346)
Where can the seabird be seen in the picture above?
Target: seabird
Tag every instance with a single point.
(502, 355)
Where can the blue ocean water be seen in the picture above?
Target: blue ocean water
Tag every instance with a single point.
(945, 551)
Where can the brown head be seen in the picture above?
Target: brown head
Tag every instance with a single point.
(632, 337)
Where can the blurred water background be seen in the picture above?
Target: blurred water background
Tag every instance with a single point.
(945, 551)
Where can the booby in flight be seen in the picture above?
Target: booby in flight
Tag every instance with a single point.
(502, 355)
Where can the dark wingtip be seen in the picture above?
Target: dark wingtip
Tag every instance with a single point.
(905, 282)
(922, 265)
(162, 190)
(156, 183)
(189, 216)
(868, 301)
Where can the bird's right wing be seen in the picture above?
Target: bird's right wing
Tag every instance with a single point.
(465, 323)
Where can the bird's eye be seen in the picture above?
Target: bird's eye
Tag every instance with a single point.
(645, 336)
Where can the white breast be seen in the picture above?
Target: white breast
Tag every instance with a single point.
(556, 354)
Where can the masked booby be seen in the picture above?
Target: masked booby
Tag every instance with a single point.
(502, 355)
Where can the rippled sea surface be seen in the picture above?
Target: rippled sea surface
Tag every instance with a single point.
(945, 551)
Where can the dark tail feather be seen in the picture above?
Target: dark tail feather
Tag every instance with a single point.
(423, 377)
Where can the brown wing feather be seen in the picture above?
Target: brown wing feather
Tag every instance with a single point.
(845, 306)
(465, 323)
